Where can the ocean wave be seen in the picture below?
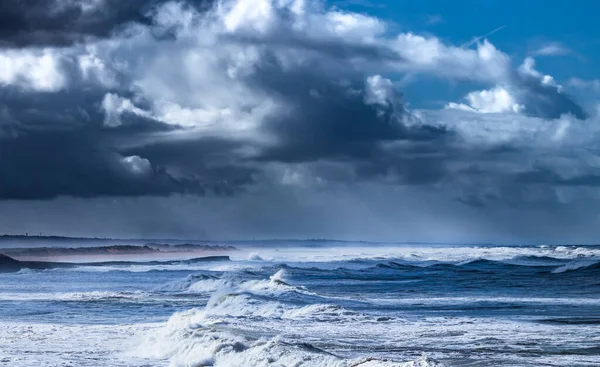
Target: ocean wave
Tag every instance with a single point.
(208, 336)
(351, 268)
(28, 271)
(241, 281)
(239, 297)
(360, 256)
(532, 260)
(186, 341)
(246, 305)
(535, 263)
(74, 296)
(473, 300)
(397, 266)
(486, 264)
(184, 284)
(254, 256)
(578, 265)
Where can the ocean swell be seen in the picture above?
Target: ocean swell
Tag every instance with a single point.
(188, 340)
(579, 264)
(212, 336)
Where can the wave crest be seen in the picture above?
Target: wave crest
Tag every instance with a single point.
(580, 264)
(187, 341)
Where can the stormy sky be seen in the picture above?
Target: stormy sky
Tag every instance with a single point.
(250, 119)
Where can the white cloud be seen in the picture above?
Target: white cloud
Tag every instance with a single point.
(552, 49)
(32, 69)
(379, 91)
(525, 90)
(528, 68)
(248, 16)
(114, 106)
(434, 19)
(430, 55)
(205, 78)
(246, 66)
(231, 79)
(593, 85)
(95, 69)
(477, 129)
(496, 100)
(354, 26)
(137, 165)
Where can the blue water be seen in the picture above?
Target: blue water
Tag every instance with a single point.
(313, 306)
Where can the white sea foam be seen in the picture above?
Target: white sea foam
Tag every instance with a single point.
(27, 271)
(418, 253)
(185, 341)
(424, 361)
(236, 297)
(197, 337)
(247, 323)
(252, 319)
(238, 282)
(51, 345)
(184, 284)
(254, 256)
(72, 296)
(257, 286)
(328, 257)
(249, 306)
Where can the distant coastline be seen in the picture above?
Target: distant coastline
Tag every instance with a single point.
(115, 250)
(33, 238)
(23, 240)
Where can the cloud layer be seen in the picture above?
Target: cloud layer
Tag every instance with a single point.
(238, 97)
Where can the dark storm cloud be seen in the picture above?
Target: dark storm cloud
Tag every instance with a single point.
(520, 184)
(325, 47)
(62, 22)
(72, 109)
(55, 144)
(329, 110)
(546, 100)
(84, 163)
(212, 162)
(547, 176)
(332, 120)
(53, 164)
(512, 195)
(60, 146)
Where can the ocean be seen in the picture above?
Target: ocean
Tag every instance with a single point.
(313, 304)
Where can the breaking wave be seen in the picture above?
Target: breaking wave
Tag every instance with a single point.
(190, 339)
(578, 265)
(255, 315)
(464, 306)
(209, 337)
(241, 281)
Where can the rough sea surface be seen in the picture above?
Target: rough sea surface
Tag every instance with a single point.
(322, 304)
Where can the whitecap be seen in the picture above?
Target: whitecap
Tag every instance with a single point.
(186, 341)
(254, 256)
